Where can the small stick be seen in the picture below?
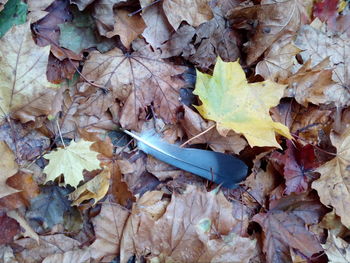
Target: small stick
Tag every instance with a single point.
(59, 131)
(140, 10)
(198, 135)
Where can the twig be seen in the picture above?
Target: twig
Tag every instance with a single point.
(198, 135)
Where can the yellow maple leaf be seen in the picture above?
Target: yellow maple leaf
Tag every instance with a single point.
(71, 161)
(333, 186)
(96, 188)
(228, 99)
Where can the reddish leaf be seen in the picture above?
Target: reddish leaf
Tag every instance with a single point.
(8, 229)
(298, 163)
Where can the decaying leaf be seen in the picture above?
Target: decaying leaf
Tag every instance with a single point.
(27, 231)
(273, 19)
(185, 229)
(337, 249)
(23, 74)
(244, 107)
(8, 228)
(8, 167)
(317, 46)
(138, 80)
(194, 12)
(76, 157)
(285, 227)
(333, 185)
(95, 189)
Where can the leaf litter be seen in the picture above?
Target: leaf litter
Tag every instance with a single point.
(265, 81)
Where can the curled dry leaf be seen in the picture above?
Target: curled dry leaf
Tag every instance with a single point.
(194, 227)
(285, 227)
(137, 79)
(76, 158)
(23, 82)
(27, 231)
(95, 189)
(334, 183)
(273, 19)
(8, 167)
(193, 12)
(317, 46)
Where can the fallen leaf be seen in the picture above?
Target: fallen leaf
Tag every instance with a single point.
(8, 228)
(273, 19)
(317, 46)
(48, 208)
(278, 59)
(6, 252)
(158, 29)
(95, 189)
(309, 84)
(127, 27)
(285, 227)
(79, 34)
(193, 125)
(299, 164)
(26, 187)
(8, 167)
(183, 230)
(14, 13)
(244, 108)
(58, 71)
(104, 15)
(337, 249)
(138, 80)
(333, 185)
(26, 230)
(76, 157)
(37, 9)
(193, 12)
(30, 251)
(108, 226)
(23, 74)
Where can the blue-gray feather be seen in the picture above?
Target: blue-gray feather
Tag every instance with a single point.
(220, 168)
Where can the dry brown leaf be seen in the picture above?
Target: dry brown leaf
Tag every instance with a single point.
(25, 88)
(273, 19)
(108, 226)
(278, 59)
(8, 167)
(104, 15)
(309, 84)
(127, 27)
(158, 29)
(334, 183)
(194, 124)
(337, 249)
(317, 46)
(142, 77)
(30, 251)
(193, 12)
(285, 226)
(196, 226)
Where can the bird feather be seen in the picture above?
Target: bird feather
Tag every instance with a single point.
(218, 167)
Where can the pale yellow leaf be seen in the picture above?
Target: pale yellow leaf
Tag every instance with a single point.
(96, 188)
(8, 167)
(233, 103)
(71, 161)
